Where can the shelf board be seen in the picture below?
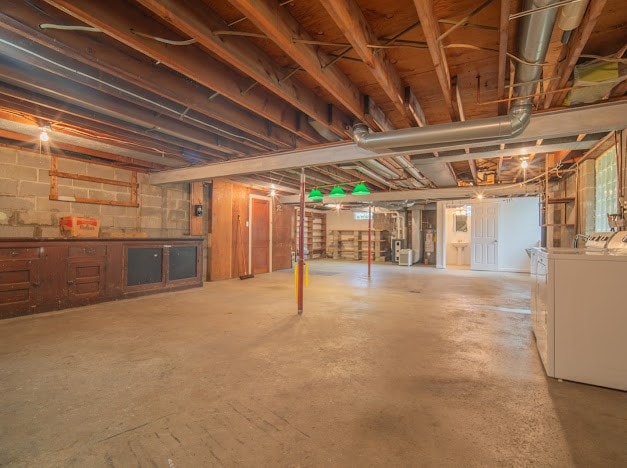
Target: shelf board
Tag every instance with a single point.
(552, 201)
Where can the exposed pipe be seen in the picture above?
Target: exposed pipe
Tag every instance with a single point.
(411, 170)
(380, 169)
(535, 36)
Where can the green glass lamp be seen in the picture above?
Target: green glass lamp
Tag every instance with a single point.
(315, 194)
(337, 192)
(360, 189)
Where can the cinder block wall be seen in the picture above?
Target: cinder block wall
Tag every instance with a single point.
(26, 211)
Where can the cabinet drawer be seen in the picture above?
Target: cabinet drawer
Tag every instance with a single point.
(18, 253)
(90, 251)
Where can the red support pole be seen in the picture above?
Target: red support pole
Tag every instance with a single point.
(301, 242)
(369, 239)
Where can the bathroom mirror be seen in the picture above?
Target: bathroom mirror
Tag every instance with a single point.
(461, 223)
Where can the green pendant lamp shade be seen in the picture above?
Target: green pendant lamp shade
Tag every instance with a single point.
(315, 194)
(337, 192)
(360, 189)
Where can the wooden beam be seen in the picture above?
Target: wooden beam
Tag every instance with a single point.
(431, 31)
(58, 146)
(414, 108)
(555, 124)
(350, 19)
(98, 108)
(574, 49)
(155, 79)
(376, 117)
(72, 93)
(503, 43)
(451, 193)
(279, 26)
(195, 198)
(56, 63)
(70, 122)
(200, 23)
(189, 61)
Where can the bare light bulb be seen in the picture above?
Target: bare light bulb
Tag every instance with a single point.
(43, 136)
(524, 164)
(272, 193)
(480, 196)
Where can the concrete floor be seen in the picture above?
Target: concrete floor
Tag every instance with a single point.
(418, 367)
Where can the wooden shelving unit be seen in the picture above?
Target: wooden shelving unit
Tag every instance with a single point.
(559, 214)
(315, 233)
(353, 245)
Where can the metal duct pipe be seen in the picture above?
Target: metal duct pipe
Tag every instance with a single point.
(535, 35)
(409, 167)
(380, 169)
(374, 176)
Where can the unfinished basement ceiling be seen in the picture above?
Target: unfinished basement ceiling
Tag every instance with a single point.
(173, 83)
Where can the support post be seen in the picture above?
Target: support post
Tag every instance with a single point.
(369, 240)
(301, 242)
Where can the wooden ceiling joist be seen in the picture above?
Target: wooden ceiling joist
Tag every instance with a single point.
(187, 60)
(351, 21)
(279, 26)
(245, 56)
(94, 101)
(153, 78)
(431, 31)
(54, 111)
(574, 49)
(55, 63)
(502, 58)
(57, 147)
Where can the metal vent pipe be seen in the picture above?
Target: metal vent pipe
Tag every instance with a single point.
(535, 36)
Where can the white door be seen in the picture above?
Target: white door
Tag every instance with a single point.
(484, 237)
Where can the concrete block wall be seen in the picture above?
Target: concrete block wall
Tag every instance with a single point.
(26, 211)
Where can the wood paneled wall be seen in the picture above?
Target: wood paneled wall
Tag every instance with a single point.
(283, 241)
(228, 201)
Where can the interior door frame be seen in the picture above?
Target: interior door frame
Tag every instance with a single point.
(473, 243)
(270, 201)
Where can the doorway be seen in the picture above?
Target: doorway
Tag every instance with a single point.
(484, 237)
(260, 235)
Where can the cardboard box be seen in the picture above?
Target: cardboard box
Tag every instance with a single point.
(76, 226)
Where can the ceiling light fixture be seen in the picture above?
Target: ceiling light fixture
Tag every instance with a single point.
(360, 189)
(337, 192)
(43, 136)
(315, 194)
(524, 163)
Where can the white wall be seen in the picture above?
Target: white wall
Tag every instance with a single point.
(454, 236)
(518, 230)
(343, 220)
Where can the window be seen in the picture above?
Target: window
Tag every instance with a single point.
(606, 190)
(361, 215)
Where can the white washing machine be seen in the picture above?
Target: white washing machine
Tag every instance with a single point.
(579, 312)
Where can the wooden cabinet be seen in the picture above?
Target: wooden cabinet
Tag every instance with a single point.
(41, 275)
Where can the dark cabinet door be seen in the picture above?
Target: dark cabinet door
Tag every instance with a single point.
(144, 267)
(182, 262)
(19, 283)
(85, 280)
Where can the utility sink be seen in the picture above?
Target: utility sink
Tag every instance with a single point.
(460, 246)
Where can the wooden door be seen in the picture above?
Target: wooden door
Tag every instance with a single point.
(260, 236)
(484, 237)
